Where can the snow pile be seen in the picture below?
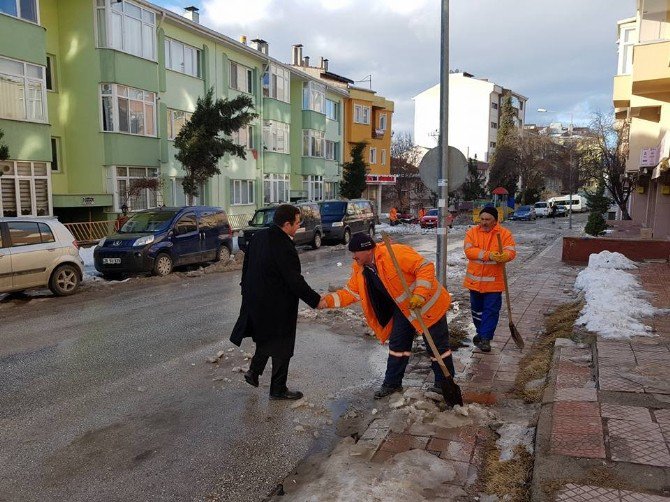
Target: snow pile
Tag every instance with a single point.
(404, 229)
(512, 435)
(90, 273)
(615, 302)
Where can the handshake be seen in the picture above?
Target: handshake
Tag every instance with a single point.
(502, 257)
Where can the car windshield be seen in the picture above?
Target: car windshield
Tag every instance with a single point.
(524, 209)
(333, 208)
(263, 218)
(540, 204)
(149, 222)
(433, 212)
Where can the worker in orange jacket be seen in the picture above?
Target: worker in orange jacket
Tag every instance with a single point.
(484, 275)
(393, 216)
(389, 311)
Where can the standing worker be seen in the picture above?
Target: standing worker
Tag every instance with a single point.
(272, 285)
(393, 216)
(387, 309)
(484, 275)
(422, 213)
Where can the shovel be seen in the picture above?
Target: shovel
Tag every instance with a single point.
(516, 336)
(450, 390)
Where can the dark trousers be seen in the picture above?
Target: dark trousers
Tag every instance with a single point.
(485, 309)
(279, 370)
(400, 348)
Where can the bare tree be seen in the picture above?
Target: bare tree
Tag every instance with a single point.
(405, 158)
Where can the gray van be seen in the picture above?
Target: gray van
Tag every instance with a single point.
(343, 218)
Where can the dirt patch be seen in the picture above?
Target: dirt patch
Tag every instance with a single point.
(537, 363)
(509, 479)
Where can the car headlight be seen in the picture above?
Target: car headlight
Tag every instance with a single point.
(102, 241)
(143, 241)
(337, 224)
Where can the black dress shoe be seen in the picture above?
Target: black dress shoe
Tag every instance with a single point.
(287, 394)
(385, 390)
(251, 378)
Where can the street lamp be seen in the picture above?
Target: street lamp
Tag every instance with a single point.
(544, 110)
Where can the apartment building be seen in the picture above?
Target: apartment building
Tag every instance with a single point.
(98, 96)
(640, 97)
(474, 114)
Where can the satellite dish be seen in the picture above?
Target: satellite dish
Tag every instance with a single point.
(457, 169)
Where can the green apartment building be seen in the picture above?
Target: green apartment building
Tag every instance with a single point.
(93, 93)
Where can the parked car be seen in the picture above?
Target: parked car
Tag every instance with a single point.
(38, 252)
(430, 219)
(522, 213)
(343, 218)
(541, 209)
(157, 240)
(310, 231)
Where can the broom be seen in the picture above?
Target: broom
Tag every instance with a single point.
(450, 390)
(516, 336)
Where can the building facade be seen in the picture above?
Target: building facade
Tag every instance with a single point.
(97, 98)
(642, 105)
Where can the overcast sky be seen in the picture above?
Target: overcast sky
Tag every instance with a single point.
(562, 54)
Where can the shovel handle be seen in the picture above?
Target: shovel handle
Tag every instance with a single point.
(417, 312)
(504, 271)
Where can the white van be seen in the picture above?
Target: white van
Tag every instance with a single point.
(578, 202)
(542, 209)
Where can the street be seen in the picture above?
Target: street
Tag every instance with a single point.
(108, 395)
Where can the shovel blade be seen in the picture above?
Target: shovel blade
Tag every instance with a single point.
(451, 393)
(516, 336)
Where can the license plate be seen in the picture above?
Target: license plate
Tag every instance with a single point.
(111, 261)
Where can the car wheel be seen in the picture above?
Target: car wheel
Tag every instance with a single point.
(316, 242)
(64, 280)
(346, 237)
(163, 265)
(223, 254)
(371, 232)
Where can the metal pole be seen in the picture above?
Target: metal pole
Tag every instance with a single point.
(443, 142)
(570, 176)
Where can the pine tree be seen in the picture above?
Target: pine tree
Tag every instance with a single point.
(473, 187)
(4, 149)
(505, 160)
(200, 144)
(353, 173)
(598, 204)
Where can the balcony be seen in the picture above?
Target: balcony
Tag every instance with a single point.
(622, 90)
(378, 133)
(651, 70)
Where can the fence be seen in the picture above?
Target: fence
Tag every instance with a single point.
(238, 221)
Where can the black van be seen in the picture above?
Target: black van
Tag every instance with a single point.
(343, 218)
(310, 231)
(155, 240)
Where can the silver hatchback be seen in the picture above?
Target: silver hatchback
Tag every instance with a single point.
(38, 252)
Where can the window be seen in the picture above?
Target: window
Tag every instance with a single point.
(244, 137)
(520, 105)
(382, 121)
(241, 192)
(313, 143)
(50, 73)
(626, 43)
(332, 150)
(25, 189)
(22, 91)
(241, 78)
(277, 83)
(492, 144)
(127, 27)
(182, 58)
(314, 97)
(494, 125)
(494, 106)
(276, 188)
(361, 114)
(24, 9)
(276, 136)
(313, 185)
(330, 189)
(129, 110)
(373, 155)
(186, 224)
(124, 177)
(55, 155)
(176, 120)
(383, 157)
(331, 109)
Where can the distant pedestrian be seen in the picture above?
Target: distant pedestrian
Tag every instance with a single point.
(422, 212)
(393, 216)
(272, 285)
(122, 218)
(484, 275)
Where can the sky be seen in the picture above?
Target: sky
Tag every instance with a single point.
(562, 55)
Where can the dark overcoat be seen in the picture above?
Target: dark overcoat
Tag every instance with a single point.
(272, 285)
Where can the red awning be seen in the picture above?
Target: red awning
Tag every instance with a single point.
(500, 191)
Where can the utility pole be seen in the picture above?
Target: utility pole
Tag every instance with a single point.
(570, 174)
(443, 146)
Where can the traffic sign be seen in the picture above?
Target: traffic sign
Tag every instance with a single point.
(457, 167)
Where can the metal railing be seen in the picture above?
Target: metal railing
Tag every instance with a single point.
(238, 221)
(90, 232)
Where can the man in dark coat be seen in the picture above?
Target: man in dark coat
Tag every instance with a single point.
(272, 285)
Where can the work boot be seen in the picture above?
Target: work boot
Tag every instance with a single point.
(435, 388)
(485, 346)
(288, 395)
(476, 340)
(251, 378)
(386, 390)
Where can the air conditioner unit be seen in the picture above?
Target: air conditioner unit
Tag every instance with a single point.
(5, 168)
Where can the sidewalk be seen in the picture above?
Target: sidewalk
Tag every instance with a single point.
(604, 430)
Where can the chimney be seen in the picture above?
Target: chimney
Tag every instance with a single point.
(324, 65)
(243, 39)
(192, 14)
(296, 59)
(306, 62)
(260, 45)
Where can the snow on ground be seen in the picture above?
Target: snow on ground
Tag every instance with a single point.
(615, 302)
(412, 229)
(90, 273)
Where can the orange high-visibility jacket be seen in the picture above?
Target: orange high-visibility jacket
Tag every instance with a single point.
(393, 214)
(483, 274)
(420, 276)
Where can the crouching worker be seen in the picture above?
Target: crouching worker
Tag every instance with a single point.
(388, 311)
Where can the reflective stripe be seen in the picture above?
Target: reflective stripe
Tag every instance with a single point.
(444, 355)
(402, 297)
(336, 300)
(424, 263)
(485, 262)
(399, 354)
(481, 254)
(424, 283)
(427, 306)
(468, 245)
(346, 288)
(511, 248)
(479, 279)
